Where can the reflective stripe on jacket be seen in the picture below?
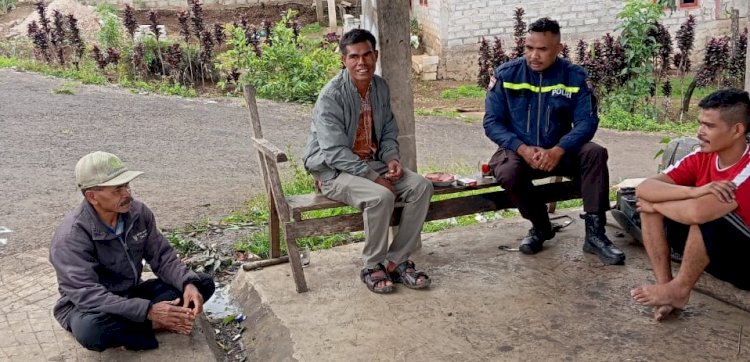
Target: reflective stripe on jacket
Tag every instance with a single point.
(554, 107)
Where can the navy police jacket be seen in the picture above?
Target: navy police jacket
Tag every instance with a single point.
(547, 109)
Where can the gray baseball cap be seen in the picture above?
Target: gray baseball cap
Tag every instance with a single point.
(102, 169)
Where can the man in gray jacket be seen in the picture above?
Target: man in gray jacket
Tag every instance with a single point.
(353, 154)
(97, 253)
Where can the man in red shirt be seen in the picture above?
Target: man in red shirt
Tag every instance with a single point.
(700, 207)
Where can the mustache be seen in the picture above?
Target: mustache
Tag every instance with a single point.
(127, 201)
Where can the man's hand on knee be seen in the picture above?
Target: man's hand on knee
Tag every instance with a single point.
(192, 299)
(530, 154)
(549, 159)
(394, 171)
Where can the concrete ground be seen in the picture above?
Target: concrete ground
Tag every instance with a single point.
(29, 332)
(487, 304)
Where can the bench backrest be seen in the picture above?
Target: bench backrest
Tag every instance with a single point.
(269, 156)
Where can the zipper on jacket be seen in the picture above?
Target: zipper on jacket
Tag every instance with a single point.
(546, 127)
(127, 252)
(528, 119)
(539, 113)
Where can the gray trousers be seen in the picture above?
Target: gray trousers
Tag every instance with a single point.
(376, 203)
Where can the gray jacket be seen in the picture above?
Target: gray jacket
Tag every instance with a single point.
(96, 271)
(334, 129)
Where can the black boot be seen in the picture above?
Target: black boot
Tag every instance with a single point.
(598, 243)
(532, 243)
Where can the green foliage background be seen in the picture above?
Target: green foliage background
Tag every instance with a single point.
(292, 70)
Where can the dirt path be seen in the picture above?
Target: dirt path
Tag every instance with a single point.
(195, 152)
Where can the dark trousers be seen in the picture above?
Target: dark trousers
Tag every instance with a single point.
(99, 331)
(727, 241)
(587, 168)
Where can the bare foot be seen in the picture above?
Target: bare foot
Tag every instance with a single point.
(383, 283)
(180, 328)
(662, 311)
(659, 295)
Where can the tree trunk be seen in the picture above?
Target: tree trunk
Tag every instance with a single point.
(686, 98)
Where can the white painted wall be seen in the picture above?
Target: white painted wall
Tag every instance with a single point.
(452, 28)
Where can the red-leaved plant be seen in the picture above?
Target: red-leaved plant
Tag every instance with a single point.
(74, 39)
(484, 63)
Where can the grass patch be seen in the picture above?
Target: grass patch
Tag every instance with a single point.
(437, 113)
(167, 88)
(311, 29)
(619, 119)
(680, 85)
(66, 88)
(445, 113)
(464, 91)
(87, 73)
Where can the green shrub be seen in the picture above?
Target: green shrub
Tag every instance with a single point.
(288, 70)
(7, 5)
(111, 33)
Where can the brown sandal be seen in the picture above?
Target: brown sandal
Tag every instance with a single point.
(372, 281)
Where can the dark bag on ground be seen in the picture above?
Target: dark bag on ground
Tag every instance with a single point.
(624, 210)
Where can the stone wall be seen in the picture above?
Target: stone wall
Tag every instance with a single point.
(165, 4)
(464, 22)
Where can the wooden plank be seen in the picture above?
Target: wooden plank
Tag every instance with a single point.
(268, 149)
(438, 210)
(274, 229)
(552, 206)
(257, 133)
(309, 202)
(252, 106)
(294, 260)
(278, 194)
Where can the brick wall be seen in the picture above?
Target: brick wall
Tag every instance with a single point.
(163, 4)
(430, 18)
(463, 22)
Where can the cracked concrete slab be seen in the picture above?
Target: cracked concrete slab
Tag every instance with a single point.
(486, 304)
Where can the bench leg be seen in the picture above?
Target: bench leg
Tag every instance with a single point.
(294, 260)
(552, 206)
(274, 238)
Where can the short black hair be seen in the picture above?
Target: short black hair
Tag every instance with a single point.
(545, 24)
(355, 36)
(733, 105)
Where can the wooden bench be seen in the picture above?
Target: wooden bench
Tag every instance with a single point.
(286, 212)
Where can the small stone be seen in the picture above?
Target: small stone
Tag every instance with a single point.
(450, 314)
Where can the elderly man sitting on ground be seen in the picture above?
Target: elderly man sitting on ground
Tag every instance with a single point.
(97, 253)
